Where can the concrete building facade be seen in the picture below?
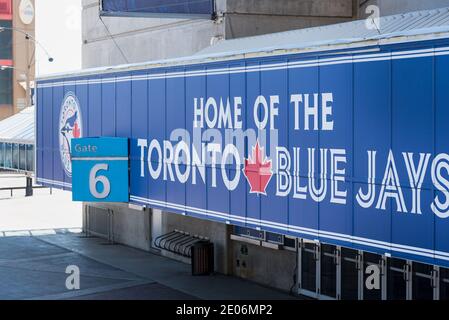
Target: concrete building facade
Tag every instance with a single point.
(114, 41)
(17, 54)
(120, 40)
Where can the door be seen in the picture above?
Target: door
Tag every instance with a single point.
(444, 283)
(399, 279)
(329, 260)
(309, 268)
(373, 267)
(424, 281)
(350, 274)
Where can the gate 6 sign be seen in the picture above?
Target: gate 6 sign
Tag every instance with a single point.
(100, 169)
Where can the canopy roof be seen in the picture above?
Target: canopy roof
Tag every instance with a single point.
(18, 128)
(407, 24)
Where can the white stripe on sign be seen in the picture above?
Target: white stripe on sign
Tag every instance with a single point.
(101, 159)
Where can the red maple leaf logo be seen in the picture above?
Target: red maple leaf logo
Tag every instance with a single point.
(76, 131)
(258, 171)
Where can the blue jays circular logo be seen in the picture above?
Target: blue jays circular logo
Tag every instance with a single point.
(70, 126)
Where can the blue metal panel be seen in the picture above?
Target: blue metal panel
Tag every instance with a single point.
(175, 119)
(108, 109)
(237, 88)
(413, 110)
(372, 91)
(58, 170)
(47, 137)
(82, 94)
(139, 122)
(441, 140)
(252, 92)
(123, 109)
(335, 113)
(69, 89)
(217, 192)
(275, 84)
(156, 131)
(333, 216)
(196, 191)
(302, 213)
(39, 134)
(412, 131)
(95, 117)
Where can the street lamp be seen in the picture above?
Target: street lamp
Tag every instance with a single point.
(29, 37)
(29, 62)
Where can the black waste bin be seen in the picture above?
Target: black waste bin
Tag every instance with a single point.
(202, 258)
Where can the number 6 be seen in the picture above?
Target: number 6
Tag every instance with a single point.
(93, 180)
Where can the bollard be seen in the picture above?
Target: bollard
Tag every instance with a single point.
(29, 187)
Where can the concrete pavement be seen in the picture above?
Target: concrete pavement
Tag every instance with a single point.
(39, 238)
(43, 211)
(34, 268)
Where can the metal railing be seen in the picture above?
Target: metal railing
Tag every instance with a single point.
(12, 189)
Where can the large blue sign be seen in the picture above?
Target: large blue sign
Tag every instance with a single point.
(190, 8)
(349, 149)
(100, 169)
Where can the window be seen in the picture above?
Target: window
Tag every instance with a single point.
(2, 154)
(22, 157)
(30, 157)
(6, 41)
(15, 156)
(8, 155)
(6, 86)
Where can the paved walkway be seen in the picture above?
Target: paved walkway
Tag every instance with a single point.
(42, 211)
(38, 241)
(33, 267)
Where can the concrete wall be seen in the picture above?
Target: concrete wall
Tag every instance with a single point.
(273, 268)
(255, 17)
(129, 226)
(116, 40)
(218, 233)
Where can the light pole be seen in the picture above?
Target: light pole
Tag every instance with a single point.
(29, 61)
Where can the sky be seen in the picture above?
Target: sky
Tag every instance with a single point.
(58, 29)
